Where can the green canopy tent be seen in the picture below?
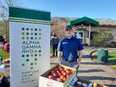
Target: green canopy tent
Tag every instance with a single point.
(84, 21)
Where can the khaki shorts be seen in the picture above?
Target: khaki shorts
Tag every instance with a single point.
(70, 64)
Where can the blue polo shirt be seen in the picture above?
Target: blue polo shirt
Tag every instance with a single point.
(70, 48)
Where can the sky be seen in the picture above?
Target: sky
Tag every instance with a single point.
(73, 8)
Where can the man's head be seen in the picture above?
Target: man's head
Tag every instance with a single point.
(69, 31)
(75, 28)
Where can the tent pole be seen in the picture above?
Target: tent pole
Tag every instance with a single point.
(89, 35)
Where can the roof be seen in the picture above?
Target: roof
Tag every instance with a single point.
(29, 14)
(85, 21)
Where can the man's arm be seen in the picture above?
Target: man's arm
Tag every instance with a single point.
(59, 56)
(59, 49)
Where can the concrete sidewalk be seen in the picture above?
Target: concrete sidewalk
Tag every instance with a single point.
(90, 70)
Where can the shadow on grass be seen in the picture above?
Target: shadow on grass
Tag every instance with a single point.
(110, 62)
(97, 78)
(111, 85)
(91, 63)
(91, 70)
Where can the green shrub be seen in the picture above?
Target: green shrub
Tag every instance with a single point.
(101, 37)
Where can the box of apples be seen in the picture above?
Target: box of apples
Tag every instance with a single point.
(56, 77)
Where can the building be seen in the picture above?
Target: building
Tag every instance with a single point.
(99, 32)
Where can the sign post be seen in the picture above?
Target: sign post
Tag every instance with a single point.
(29, 46)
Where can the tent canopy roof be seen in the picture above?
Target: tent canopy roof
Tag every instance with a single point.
(85, 21)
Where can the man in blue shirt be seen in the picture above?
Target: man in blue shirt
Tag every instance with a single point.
(69, 49)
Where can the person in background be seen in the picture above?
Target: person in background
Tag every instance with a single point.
(4, 82)
(54, 44)
(5, 44)
(1, 41)
(70, 49)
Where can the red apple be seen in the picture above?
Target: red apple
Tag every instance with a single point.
(50, 77)
(63, 78)
(54, 74)
(63, 73)
(68, 71)
(58, 79)
(67, 76)
(60, 68)
(55, 69)
(58, 72)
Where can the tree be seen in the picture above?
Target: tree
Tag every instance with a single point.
(4, 4)
(101, 37)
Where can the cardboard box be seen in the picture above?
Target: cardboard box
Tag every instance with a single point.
(45, 82)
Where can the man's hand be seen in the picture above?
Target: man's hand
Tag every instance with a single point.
(78, 61)
(59, 60)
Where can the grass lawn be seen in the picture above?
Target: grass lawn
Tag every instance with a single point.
(112, 59)
(4, 54)
(113, 67)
